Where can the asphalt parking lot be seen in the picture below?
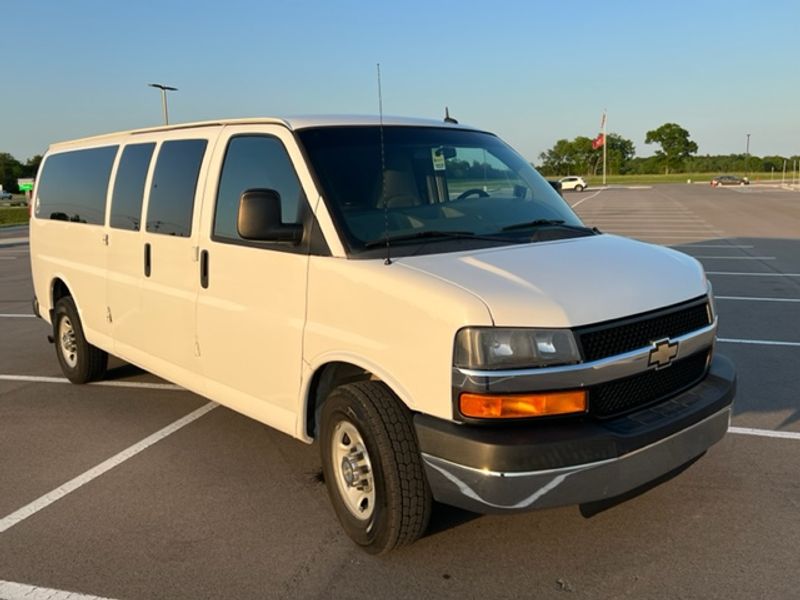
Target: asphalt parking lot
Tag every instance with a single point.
(219, 506)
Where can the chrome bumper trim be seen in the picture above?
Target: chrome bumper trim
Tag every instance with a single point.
(580, 375)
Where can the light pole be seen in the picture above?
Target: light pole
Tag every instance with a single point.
(747, 157)
(164, 89)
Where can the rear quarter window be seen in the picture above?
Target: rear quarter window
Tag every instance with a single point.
(73, 185)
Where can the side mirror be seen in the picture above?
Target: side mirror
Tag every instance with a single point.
(556, 185)
(446, 151)
(259, 218)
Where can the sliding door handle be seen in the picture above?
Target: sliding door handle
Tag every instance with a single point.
(147, 260)
(204, 269)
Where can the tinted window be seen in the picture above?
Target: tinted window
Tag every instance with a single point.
(174, 183)
(126, 202)
(255, 162)
(73, 185)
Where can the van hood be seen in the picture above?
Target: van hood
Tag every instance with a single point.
(568, 283)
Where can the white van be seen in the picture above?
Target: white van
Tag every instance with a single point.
(410, 294)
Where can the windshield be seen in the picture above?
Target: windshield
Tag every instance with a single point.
(444, 189)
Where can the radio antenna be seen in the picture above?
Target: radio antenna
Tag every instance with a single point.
(388, 260)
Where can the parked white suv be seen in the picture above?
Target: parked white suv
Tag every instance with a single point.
(573, 183)
(411, 294)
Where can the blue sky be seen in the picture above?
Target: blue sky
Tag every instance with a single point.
(533, 71)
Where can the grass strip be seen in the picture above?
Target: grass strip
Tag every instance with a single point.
(14, 216)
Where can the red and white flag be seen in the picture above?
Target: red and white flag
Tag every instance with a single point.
(598, 141)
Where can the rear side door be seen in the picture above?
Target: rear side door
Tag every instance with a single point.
(251, 304)
(126, 245)
(158, 329)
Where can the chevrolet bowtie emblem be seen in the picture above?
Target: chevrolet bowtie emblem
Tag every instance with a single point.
(663, 353)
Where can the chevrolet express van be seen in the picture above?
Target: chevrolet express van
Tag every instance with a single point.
(412, 295)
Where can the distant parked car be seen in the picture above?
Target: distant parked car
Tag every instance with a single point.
(4, 195)
(573, 183)
(729, 180)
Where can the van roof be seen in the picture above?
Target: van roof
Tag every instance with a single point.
(293, 123)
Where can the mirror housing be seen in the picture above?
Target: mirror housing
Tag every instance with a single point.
(259, 218)
(446, 151)
(556, 185)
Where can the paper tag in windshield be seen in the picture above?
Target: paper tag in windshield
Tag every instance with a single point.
(438, 159)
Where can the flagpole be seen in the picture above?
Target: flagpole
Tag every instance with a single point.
(605, 144)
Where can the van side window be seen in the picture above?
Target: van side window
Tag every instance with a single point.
(126, 201)
(73, 185)
(256, 161)
(174, 182)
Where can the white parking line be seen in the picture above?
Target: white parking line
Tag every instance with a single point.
(17, 316)
(123, 384)
(20, 591)
(579, 202)
(737, 257)
(753, 274)
(671, 227)
(709, 246)
(751, 299)
(660, 231)
(759, 342)
(42, 502)
(672, 237)
(646, 216)
(645, 222)
(788, 435)
(648, 219)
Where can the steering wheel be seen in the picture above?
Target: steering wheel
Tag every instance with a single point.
(474, 191)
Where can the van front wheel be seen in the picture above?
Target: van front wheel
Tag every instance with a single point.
(372, 467)
(80, 361)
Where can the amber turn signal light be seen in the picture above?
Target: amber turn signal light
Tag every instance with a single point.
(512, 406)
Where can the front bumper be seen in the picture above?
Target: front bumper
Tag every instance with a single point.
(513, 468)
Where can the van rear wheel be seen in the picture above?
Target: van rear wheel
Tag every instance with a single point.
(80, 361)
(372, 467)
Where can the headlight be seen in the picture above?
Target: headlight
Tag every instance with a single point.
(499, 348)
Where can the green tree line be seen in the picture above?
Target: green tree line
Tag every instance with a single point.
(676, 154)
(11, 169)
(577, 157)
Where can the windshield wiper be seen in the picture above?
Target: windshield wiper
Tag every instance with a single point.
(434, 234)
(549, 222)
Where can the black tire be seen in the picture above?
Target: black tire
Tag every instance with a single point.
(80, 361)
(578, 188)
(388, 459)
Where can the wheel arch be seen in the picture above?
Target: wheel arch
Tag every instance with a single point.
(60, 288)
(328, 374)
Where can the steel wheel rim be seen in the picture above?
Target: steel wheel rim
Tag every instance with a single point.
(352, 469)
(67, 342)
